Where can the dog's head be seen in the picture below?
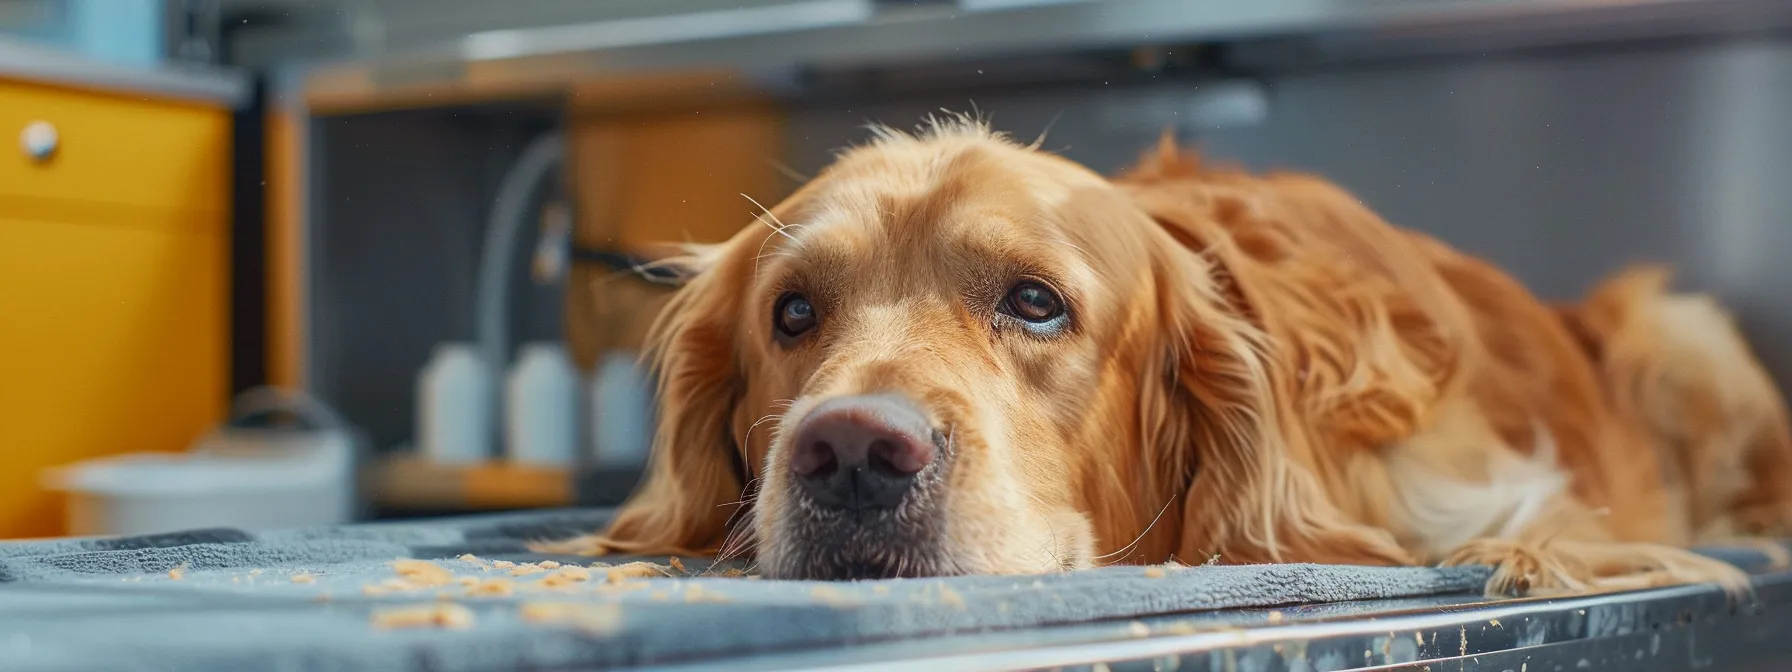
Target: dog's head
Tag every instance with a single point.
(946, 354)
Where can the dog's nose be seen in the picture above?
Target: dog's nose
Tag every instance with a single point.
(861, 452)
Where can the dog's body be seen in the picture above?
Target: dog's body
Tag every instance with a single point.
(952, 354)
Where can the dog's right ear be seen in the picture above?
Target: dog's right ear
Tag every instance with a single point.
(682, 505)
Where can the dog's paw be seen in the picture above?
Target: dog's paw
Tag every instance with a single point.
(1521, 569)
(1578, 568)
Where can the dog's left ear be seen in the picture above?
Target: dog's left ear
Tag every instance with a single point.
(683, 503)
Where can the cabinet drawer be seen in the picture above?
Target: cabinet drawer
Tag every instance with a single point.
(117, 160)
(112, 340)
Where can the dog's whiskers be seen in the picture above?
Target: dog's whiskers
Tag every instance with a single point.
(1135, 542)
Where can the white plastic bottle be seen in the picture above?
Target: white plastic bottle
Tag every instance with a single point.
(621, 412)
(541, 407)
(454, 406)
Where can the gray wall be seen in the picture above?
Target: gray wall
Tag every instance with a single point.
(401, 207)
(1560, 167)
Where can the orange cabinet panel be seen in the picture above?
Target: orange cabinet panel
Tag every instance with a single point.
(112, 339)
(117, 160)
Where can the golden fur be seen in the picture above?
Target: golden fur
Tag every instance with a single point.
(1260, 370)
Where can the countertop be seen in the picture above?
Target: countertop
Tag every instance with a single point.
(20, 60)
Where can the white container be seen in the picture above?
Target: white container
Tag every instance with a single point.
(621, 412)
(541, 407)
(238, 477)
(455, 406)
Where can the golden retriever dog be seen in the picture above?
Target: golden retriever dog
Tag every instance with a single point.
(951, 353)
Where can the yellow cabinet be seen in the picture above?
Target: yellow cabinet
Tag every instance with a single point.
(113, 286)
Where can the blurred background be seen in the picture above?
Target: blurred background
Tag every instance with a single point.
(287, 262)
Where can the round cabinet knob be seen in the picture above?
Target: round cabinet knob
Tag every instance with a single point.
(39, 140)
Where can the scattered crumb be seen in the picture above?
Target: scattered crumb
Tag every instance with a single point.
(676, 565)
(880, 589)
(951, 598)
(422, 573)
(595, 618)
(659, 596)
(254, 572)
(1275, 617)
(503, 564)
(635, 570)
(397, 585)
(179, 572)
(733, 573)
(1138, 629)
(236, 579)
(468, 581)
(468, 557)
(492, 588)
(526, 569)
(441, 615)
(303, 577)
(566, 577)
(696, 593)
(1154, 572)
(549, 564)
(373, 591)
(831, 595)
(444, 596)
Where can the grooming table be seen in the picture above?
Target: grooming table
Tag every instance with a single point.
(331, 599)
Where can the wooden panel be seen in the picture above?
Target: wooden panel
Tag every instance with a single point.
(112, 339)
(285, 249)
(119, 160)
(643, 180)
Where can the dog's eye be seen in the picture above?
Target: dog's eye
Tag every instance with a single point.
(1035, 303)
(793, 315)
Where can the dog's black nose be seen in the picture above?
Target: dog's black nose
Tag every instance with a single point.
(861, 452)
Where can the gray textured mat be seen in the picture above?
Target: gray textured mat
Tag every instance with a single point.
(111, 604)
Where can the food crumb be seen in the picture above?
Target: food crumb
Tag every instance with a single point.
(440, 615)
(503, 564)
(659, 596)
(549, 564)
(1275, 617)
(178, 572)
(1137, 629)
(236, 579)
(1154, 572)
(468, 557)
(492, 588)
(526, 569)
(880, 589)
(676, 565)
(468, 581)
(595, 618)
(303, 577)
(830, 595)
(696, 593)
(566, 576)
(634, 570)
(254, 572)
(422, 573)
(951, 598)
